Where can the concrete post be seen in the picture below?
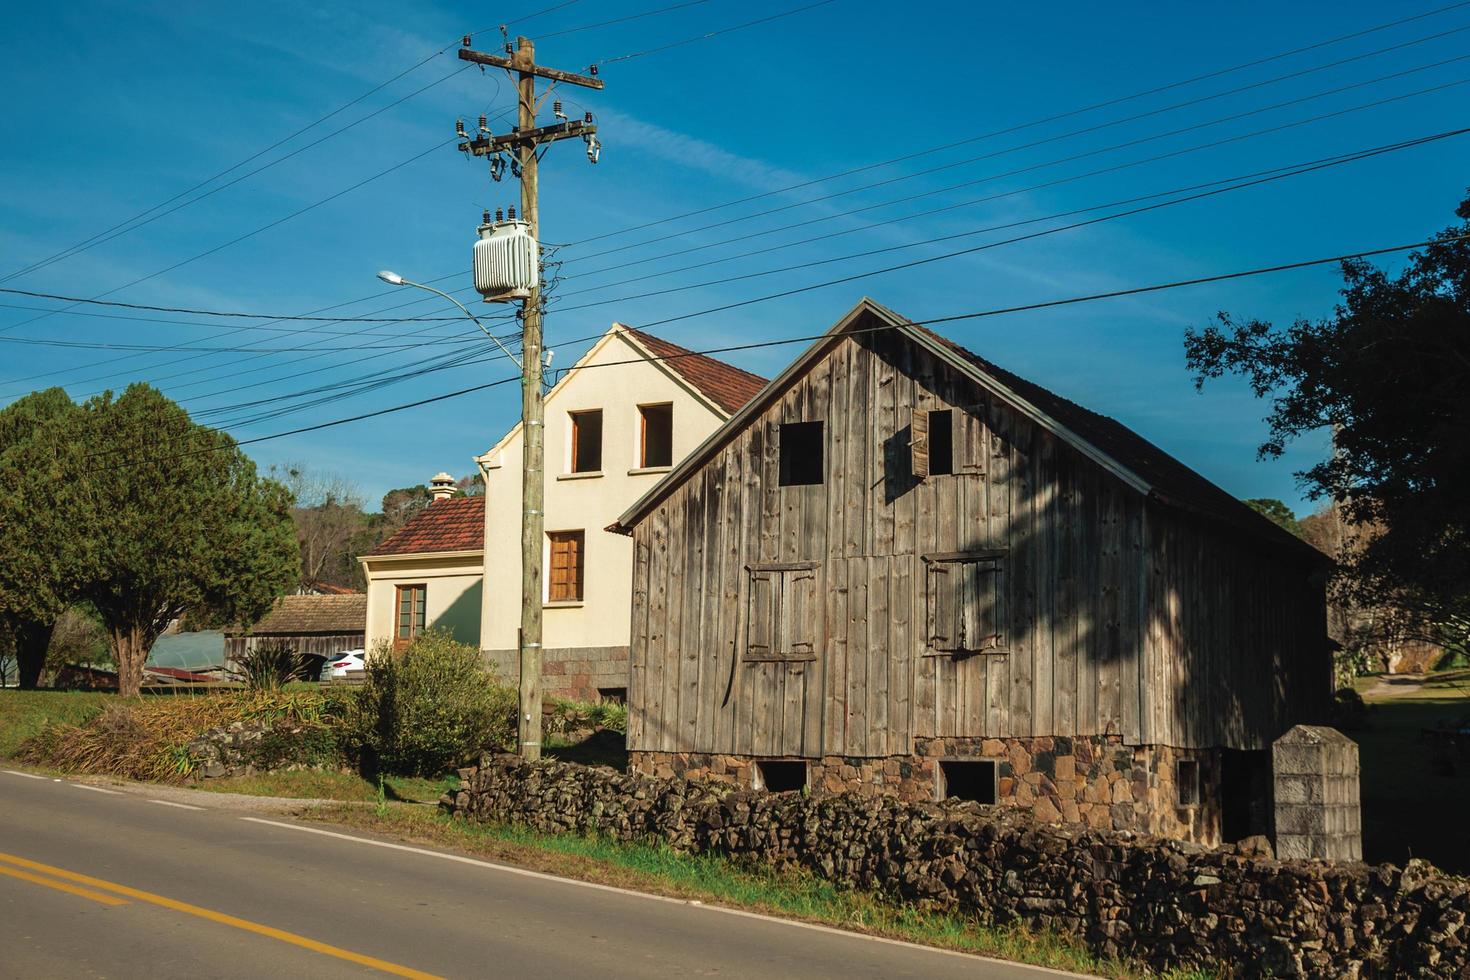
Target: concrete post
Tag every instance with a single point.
(1316, 788)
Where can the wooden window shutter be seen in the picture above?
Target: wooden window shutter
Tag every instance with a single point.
(800, 614)
(971, 448)
(980, 606)
(762, 615)
(943, 630)
(919, 441)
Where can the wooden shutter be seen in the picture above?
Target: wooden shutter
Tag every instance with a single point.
(943, 629)
(564, 581)
(919, 441)
(979, 606)
(801, 614)
(970, 443)
(762, 615)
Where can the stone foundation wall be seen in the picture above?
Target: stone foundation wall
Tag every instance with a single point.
(568, 672)
(1099, 782)
(1168, 903)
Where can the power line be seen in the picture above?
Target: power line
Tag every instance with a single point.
(274, 317)
(998, 311)
(622, 20)
(1041, 121)
(1429, 66)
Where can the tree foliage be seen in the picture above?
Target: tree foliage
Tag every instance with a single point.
(180, 522)
(1389, 375)
(1277, 512)
(45, 550)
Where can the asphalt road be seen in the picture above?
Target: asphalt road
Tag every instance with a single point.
(111, 884)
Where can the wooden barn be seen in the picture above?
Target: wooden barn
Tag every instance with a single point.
(903, 569)
(316, 626)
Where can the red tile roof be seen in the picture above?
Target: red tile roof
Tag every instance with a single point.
(724, 384)
(456, 524)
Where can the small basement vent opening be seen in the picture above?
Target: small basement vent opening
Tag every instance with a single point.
(1186, 781)
(801, 454)
(780, 775)
(612, 695)
(968, 780)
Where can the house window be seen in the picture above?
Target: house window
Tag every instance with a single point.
(587, 441)
(564, 582)
(1186, 781)
(801, 454)
(780, 775)
(784, 614)
(968, 780)
(656, 441)
(409, 614)
(966, 603)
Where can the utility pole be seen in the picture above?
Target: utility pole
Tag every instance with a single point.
(521, 144)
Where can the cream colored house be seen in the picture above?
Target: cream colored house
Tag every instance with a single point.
(429, 574)
(617, 420)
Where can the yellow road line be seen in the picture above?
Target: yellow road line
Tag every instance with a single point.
(220, 917)
(62, 886)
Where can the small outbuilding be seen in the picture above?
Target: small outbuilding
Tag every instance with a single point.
(900, 568)
(316, 626)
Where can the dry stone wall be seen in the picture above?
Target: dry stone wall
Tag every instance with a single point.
(1165, 902)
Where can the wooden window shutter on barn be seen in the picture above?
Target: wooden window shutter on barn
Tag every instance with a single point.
(800, 613)
(971, 447)
(919, 441)
(966, 603)
(762, 616)
(783, 612)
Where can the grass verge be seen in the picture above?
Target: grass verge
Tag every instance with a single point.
(659, 870)
(1415, 796)
(24, 713)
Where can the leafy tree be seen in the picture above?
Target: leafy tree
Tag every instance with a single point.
(1389, 374)
(331, 526)
(45, 547)
(1276, 512)
(181, 522)
(401, 504)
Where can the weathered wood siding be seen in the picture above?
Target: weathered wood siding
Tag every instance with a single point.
(1237, 637)
(1077, 582)
(316, 644)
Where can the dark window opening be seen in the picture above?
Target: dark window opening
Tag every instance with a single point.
(613, 695)
(971, 780)
(587, 441)
(941, 443)
(781, 775)
(1186, 781)
(657, 447)
(801, 454)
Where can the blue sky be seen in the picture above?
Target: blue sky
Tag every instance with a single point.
(118, 107)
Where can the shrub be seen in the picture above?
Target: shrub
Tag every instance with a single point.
(566, 717)
(149, 738)
(270, 667)
(432, 706)
(1349, 710)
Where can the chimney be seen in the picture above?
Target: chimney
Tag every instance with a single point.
(441, 487)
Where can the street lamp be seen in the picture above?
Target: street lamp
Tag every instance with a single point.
(394, 279)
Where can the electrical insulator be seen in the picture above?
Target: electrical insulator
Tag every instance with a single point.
(587, 118)
(497, 168)
(512, 213)
(499, 214)
(459, 128)
(484, 129)
(594, 147)
(592, 70)
(509, 49)
(485, 217)
(556, 110)
(465, 41)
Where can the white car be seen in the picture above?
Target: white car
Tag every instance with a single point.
(339, 664)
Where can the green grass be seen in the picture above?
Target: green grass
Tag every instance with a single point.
(657, 869)
(342, 786)
(24, 713)
(1415, 798)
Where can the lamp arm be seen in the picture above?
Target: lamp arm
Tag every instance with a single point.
(440, 292)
